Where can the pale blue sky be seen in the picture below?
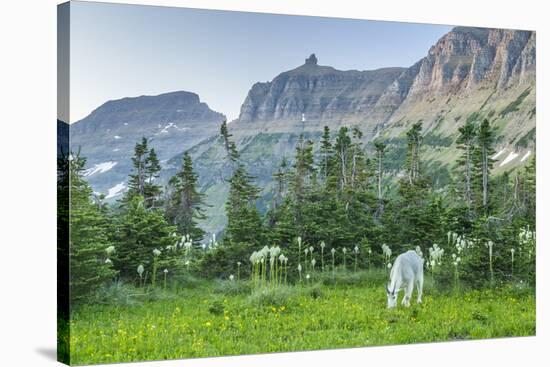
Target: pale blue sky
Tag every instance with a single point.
(130, 50)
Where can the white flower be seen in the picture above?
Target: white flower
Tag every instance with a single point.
(307, 276)
(165, 271)
(187, 263)
(344, 250)
(322, 244)
(203, 246)
(281, 258)
(140, 269)
(306, 251)
(300, 268)
(238, 263)
(156, 252)
(313, 262)
(389, 265)
(231, 277)
(109, 250)
(386, 250)
(356, 249)
(299, 239)
(108, 261)
(310, 248)
(333, 250)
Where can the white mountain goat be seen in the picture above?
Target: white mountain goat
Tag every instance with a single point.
(407, 270)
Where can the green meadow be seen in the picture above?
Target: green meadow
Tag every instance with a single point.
(230, 318)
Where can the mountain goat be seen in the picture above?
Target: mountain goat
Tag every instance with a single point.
(407, 270)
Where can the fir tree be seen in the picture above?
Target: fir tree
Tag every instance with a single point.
(139, 231)
(146, 168)
(484, 150)
(380, 148)
(243, 219)
(186, 203)
(466, 142)
(414, 140)
(341, 148)
(89, 264)
(326, 153)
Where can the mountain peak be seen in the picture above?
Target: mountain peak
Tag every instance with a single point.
(311, 60)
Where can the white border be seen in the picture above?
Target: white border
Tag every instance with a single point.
(27, 183)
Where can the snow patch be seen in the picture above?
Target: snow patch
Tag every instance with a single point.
(115, 190)
(525, 156)
(99, 168)
(117, 137)
(511, 157)
(116, 149)
(166, 127)
(498, 154)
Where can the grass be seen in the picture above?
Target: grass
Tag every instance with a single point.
(203, 322)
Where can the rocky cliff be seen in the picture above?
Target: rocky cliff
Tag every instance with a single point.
(315, 94)
(469, 74)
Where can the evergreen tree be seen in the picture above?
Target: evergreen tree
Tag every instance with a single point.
(466, 142)
(357, 158)
(380, 148)
(139, 231)
(186, 203)
(146, 168)
(90, 266)
(152, 171)
(341, 148)
(414, 140)
(326, 153)
(243, 219)
(230, 147)
(136, 182)
(484, 162)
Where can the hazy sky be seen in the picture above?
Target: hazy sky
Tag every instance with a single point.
(129, 50)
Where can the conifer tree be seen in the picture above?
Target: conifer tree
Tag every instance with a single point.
(466, 142)
(380, 148)
(341, 148)
(326, 153)
(243, 219)
(139, 231)
(185, 202)
(414, 140)
(484, 162)
(146, 168)
(88, 242)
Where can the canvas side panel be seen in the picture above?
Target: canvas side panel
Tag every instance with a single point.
(63, 77)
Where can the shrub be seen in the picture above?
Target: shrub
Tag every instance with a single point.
(232, 287)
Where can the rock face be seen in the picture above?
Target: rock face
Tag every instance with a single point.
(466, 57)
(321, 93)
(463, 60)
(173, 122)
(470, 73)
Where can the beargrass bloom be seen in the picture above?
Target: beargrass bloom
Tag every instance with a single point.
(109, 250)
(156, 252)
(108, 261)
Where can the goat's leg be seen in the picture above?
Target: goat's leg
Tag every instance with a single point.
(419, 288)
(408, 293)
